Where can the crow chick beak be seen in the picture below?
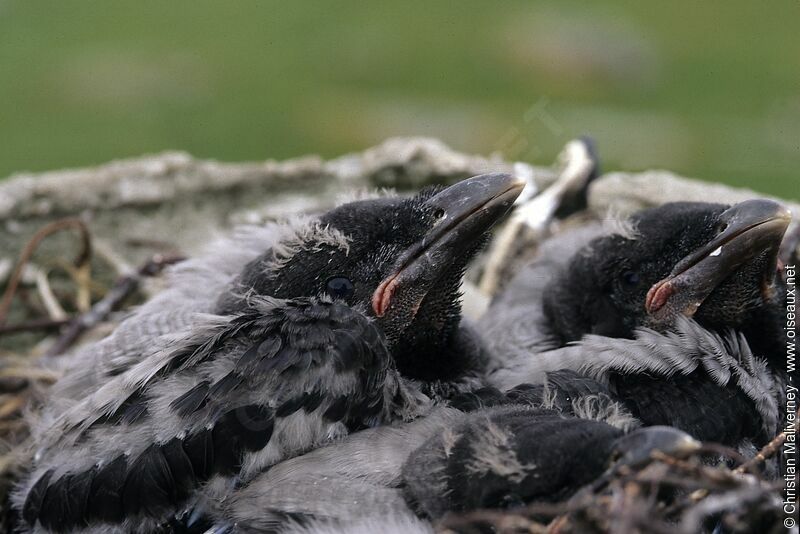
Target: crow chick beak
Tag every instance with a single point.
(746, 231)
(465, 212)
(636, 449)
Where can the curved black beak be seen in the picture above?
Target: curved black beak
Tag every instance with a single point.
(636, 448)
(747, 230)
(465, 212)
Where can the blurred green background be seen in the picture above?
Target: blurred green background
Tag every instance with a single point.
(709, 89)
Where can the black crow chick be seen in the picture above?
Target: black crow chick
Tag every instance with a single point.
(513, 455)
(677, 312)
(321, 333)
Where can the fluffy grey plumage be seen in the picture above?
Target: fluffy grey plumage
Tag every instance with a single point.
(388, 524)
(564, 391)
(515, 327)
(101, 377)
(680, 352)
(178, 307)
(340, 486)
(98, 376)
(213, 390)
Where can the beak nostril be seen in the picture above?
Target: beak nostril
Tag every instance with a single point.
(722, 227)
(439, 213)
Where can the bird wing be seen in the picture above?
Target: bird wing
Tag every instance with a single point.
(688, 349)
(235, 395)
(692, 403)
(341, 483)
(171, 311)
(92, 365)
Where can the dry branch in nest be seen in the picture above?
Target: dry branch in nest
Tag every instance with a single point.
(82, 271)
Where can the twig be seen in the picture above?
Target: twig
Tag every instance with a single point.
(12, 405)
(30, 326)
(121, 289)
(49, 300)
(730, 500)
(165, 247)
(501, 521)
(30, 373)
(6, 426)
(106, 252)
(708, 474)
(82, 276)
(521, 519)
(768, 451)
(27, 252)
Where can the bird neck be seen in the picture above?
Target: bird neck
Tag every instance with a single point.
(767, 337)
(443, 356)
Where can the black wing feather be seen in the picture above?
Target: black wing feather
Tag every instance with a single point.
(149, 486)
(33, 502)
(192, 400)
(105, 494)
(199, 449)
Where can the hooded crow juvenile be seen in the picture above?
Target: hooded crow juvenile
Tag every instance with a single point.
(513, 455)
(677, 312)
(272, 351)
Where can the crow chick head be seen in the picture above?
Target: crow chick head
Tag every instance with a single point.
(513, 455)
(398, 260)
(715, 263)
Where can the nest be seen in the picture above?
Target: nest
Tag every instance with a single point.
(52, 312)
(666, 495)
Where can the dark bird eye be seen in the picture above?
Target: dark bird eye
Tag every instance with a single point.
(630, 278)
(339, 287)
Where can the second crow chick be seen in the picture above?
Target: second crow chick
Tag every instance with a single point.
(678, 313)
